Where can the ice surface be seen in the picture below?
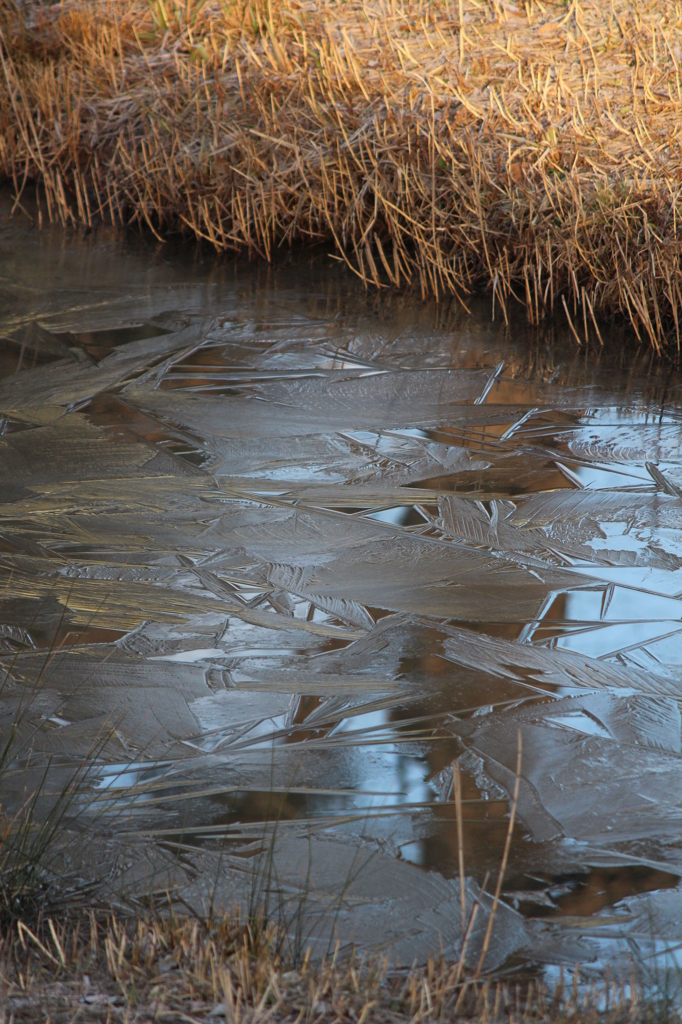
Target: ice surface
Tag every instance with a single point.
(274, 553)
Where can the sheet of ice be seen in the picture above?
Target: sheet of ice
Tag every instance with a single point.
(276, 550)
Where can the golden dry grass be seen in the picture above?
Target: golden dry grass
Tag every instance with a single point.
(164, 969)
(532, 147)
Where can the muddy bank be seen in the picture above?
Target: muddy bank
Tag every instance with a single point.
(528, 149)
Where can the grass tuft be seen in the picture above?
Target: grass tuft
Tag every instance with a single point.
(164, 968)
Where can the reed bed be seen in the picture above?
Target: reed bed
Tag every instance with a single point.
(529, 148)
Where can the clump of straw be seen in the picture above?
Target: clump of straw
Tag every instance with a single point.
(531, 148)
(165, 968)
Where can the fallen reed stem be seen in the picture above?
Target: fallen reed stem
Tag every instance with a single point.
(505, 857)
(457, 783)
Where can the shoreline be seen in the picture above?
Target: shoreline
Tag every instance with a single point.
(530, 150)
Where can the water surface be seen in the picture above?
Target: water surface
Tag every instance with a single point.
(277, 554)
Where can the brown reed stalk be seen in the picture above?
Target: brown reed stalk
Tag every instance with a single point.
(457, 783)
(505, 858)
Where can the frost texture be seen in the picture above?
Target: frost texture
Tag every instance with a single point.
(276, 562)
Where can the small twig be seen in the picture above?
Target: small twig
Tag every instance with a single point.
(505, 856)
(457, 782)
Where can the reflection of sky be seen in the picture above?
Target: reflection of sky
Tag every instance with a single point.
(634, 435)
(190, 656)
(597, 476)
(652, 581)
(402, 776)
(618, 538)
(582, 722)
(643, 542)
(411, 432)
(388, 440)
(617, 619)
(399, 515)
(659, 962)
(387, 778)
(115, 777)
(633, 415)
(382, 777)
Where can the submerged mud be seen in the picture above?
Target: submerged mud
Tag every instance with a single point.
(276, 554)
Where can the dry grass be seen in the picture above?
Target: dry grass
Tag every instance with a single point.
(533, 149)
(170, 970)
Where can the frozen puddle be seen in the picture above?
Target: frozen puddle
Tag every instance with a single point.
(276, 553)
